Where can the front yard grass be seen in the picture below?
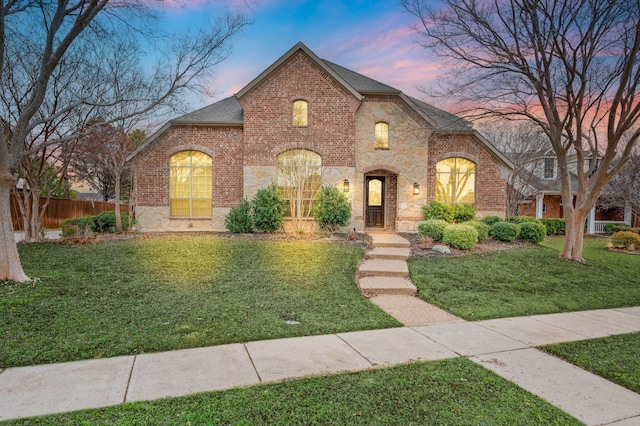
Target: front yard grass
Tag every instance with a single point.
(614, 357)
(165, 293)
(527, 281)
(450, 392)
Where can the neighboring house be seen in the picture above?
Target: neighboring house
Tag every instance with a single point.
(304, 123)
(544, 199)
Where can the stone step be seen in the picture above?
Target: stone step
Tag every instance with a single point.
(381, 239)
(383, 267)
(412, 311)
(399, 253)
(387, 285)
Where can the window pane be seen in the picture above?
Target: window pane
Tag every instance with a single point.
(201, 208)
(299, 178)
(181, 159)
(180, 208)
(180, 182)
(382, 136)
(375, 193)
(455, 181)
(200, 159)
(300, 113)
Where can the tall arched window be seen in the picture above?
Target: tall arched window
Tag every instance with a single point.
(455, 181)
(190, 184)
(300, 113)
(382, 135)
(299, 180)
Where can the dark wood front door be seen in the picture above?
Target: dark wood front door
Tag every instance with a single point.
(375, 202)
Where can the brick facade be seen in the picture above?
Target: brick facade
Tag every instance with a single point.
(340, 129)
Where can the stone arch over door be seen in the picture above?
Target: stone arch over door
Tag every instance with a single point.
(390, 197)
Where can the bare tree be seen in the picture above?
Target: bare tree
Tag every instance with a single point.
(624, 189)
(37, 37)
(525, 145)
(570, 66)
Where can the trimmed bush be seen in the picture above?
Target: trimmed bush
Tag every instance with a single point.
(460, 236)
(555, 226)
(71, 227)
(481, 228)
(626, 239)
(520, 219)
(533, 232)
(504, 231)
(611, 228)
(437, 210)
(268, 209)
(490, 220)
(433, 228)
(332, 209)
(106, 221)
(462, 213)
(239, 220)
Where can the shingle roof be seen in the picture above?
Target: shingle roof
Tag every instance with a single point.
(361, 83)
(443, 120)
(227, 111)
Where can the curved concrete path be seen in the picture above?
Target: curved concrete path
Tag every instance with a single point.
(384, 278)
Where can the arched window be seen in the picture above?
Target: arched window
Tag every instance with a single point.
(190, 184)
(299, 180)
(382, 135)
(300, 112)
(455, 181)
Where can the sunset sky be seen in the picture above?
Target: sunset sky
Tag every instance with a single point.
(373, 38)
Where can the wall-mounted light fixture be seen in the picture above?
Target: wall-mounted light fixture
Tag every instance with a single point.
(416, 188)
(345, 185)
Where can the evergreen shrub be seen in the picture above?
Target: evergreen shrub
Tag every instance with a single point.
(268, 209)
(533, 232)
(240, 219)
(490, 220)
(332, 209)
(437, 210)
(460, 236)
(481, 228)
(626, 239)
(433, 228)
(504, 231)
(71, 227)
(106, 221)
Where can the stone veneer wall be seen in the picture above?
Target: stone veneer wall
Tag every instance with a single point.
(403, 163)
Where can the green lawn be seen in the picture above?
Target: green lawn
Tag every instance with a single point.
(528, 281)
(450, 392)
(164, 293)
(615, 357)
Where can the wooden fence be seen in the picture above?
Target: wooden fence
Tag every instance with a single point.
(60, 209)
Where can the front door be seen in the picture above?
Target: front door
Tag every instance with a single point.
(375, 202)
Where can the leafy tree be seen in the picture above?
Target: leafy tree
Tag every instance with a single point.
(570, 67)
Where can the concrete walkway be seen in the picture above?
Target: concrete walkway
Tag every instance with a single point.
(505, 346)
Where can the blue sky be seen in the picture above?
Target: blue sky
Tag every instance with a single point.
(371, 37)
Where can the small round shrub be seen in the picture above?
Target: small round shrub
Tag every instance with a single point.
(332, 209)
(433, 228)
(462, 213)
(106, 221)
(504, 231)
(611, 228)
(71, 227)
(481, 228)
(268, 209)
(239, 220)
(460, 236)
(490, 220)
(437, 210)
(533, 232)
(626, 239)
(520, 219)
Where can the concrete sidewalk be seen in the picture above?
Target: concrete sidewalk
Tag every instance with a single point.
(505, 346)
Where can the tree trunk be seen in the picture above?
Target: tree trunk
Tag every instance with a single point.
(10, 266)
(574, 235)
(117, 201)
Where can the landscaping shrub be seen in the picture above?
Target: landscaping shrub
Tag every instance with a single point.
(611, 228)
(533, 232)
(106, 221)
(555, 226)
(626, 239)
(462, 213)
(520, 219)
(433, 228)
(481, 228)
(239, 220)
(504, 231)
(460, 236)
(268, 209)
(437, 210)
(71, 227)
(490, 220)
(332, 209)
